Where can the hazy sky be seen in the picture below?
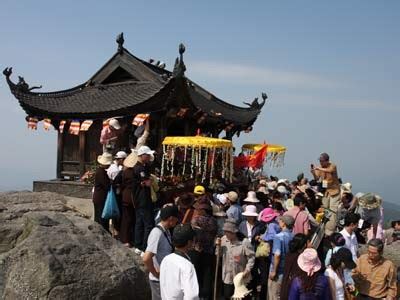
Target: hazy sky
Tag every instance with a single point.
(330, 69)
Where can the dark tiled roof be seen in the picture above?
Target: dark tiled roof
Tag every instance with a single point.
(146, 92)
(91, 102)
(214, 106)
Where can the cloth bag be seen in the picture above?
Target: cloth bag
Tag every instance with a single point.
(263, 249)
(110, 209)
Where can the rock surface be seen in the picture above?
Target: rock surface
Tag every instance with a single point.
(49, 251)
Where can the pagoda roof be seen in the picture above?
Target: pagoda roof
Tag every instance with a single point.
(126, 85)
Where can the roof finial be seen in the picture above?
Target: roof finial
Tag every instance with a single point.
(120, 41)
(180, 68)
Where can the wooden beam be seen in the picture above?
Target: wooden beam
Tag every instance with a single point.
(82, 142)
(60, 153)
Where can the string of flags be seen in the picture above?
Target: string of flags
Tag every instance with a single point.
(139, 119)
(76, 126)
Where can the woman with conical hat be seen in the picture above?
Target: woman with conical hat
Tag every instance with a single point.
(101, 187)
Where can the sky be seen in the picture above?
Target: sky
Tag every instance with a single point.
(330, 69)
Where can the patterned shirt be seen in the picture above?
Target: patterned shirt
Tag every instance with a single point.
(237, 256)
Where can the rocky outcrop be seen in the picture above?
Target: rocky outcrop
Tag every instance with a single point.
(49, 251)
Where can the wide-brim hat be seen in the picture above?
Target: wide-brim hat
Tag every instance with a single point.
(232, 196)
(268, 214)
(105, 159)
(282, 189)
(230, 226)
(114, 124)
(251, 197)
(370, 201)
(144, 150)
(283, 181)
(131, 160)
(309, 262)
(250, 211)
(240, 283)
(263, 189)
(272, 185)
(346, 187)
(287, 219)
(263, 182)
(120, 155)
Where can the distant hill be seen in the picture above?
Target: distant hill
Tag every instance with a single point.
(391, 211)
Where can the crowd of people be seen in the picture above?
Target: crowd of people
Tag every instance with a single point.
(259, 238)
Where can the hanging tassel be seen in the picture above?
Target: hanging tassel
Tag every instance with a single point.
(231, 164)
(163, 161)
(172, 161)
(205, 166)
(212, 164)
(223, 155)
(184, 162)
(192, 159)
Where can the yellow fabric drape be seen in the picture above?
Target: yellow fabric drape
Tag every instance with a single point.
(197, 141)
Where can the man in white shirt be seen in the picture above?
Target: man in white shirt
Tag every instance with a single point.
(178, 280)
(159, 245)
(350, 226)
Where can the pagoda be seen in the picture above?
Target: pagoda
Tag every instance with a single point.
(122, 88)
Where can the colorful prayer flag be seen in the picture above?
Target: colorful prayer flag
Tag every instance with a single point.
(61, 127)
(46, 124)
(32, 123)
(139, 119)
(74, 127)
(86, 125)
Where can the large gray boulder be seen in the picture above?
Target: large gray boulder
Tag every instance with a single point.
(48, 251)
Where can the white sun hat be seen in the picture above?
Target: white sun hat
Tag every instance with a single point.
(120, 155)
(251, 197)
(114, 124)
(250, 211)
(145, 150)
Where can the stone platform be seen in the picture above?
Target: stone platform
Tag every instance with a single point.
(64, 187)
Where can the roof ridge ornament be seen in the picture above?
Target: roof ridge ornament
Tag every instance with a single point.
(179, 67)
(120, 41)
(255, 103)
(21, 85)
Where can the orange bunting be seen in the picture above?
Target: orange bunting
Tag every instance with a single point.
(46, 124)
(32, 123)
(74, 127)
(139, 119)
(86, 125)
